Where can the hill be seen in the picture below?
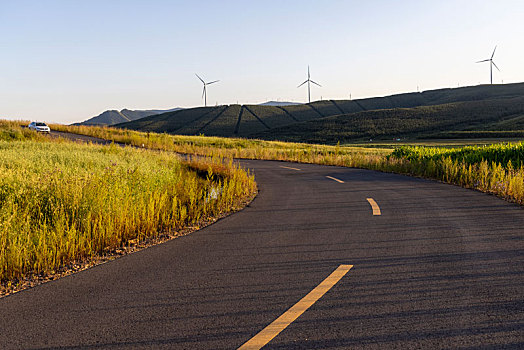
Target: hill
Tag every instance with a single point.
(112, 117)
(279, 103)
(487, 118)
(288, 122)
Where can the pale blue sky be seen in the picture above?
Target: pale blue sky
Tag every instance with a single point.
(66, 61)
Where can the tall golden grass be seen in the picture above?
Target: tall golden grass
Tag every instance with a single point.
(10, 130)
(224, 147)
(62, 202)
(504, 180)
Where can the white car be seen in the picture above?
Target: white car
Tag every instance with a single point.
(39, 126)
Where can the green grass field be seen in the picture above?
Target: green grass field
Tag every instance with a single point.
(503, 154)
(446, 143)
(62, 202)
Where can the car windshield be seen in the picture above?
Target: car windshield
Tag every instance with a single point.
(40, 124)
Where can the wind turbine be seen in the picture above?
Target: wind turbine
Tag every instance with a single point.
(309, 81)
(204, 91)
(491, 64)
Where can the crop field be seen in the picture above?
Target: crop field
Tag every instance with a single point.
(497, 168)
(62, 202)
(444, 143)
(508, 155)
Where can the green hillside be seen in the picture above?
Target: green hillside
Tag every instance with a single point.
(295, 122)
(487, 118)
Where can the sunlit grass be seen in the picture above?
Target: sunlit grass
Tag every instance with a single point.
(503, 153)
(225, 147)
(63, 202)
(481, 170)
(11, 131)
(447, 143)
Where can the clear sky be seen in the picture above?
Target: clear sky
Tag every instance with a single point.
(67, 61)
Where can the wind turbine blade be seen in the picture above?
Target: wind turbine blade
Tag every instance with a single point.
(308, 76)
(302, 83)
(495, 65)
(484, 60)
(216, 81)
(203, 91)
(200, 78)
(493, 54)
(315, 83)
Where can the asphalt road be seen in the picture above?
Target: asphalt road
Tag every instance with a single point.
(441, 267)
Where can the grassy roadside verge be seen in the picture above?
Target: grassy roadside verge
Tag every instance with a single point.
(232, 148)
(481, 172)
(63, 202)
(496, 169)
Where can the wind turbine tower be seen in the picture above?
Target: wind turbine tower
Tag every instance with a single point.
(309, 81)
(204, 91)
(491, 64)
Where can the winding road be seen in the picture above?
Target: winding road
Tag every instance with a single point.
(387, 261)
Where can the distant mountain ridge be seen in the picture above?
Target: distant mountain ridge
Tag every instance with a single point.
(112, 117)
(279, 103)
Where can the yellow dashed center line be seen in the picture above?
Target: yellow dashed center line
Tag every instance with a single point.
(278, 325)
(374, 206)
(333, 178)
(286, 167)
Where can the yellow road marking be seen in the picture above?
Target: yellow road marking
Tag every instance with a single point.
(286, 167)
(333, 178)
(278, 325)
(374, 205)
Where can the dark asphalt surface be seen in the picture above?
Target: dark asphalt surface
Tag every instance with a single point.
(442, 267)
